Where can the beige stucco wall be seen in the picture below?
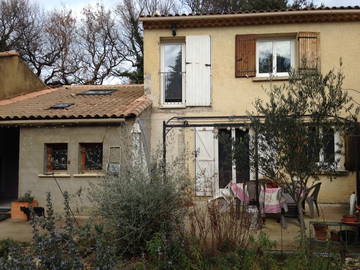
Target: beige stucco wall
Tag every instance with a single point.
(234, 96)
(32, 158)
(16, 78)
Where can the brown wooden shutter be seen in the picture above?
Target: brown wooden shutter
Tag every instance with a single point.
(352, 152)
(245, 56)
(309, 50)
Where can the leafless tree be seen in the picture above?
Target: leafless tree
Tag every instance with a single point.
(129, 12)
(47, 46)
(15, 19)
(100, 45)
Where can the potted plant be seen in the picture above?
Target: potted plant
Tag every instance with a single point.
(321, 231)
(27, 200)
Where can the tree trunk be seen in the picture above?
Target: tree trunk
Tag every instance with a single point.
(301, 218)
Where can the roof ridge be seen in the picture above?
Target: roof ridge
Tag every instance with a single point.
(9, 53)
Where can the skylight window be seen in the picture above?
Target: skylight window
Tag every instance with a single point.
(97, 92)
(61, 106)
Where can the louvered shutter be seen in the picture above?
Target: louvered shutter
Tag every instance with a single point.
(198, 71)
(206, 173)
(245, 56)
(309, 50)
(352, 153)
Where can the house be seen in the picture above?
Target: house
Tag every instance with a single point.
(65, 138)
(15, 76)
(204, 71)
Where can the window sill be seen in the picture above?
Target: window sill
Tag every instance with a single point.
(86, 175)
(56, 175)
(268, 79)
(335, 173)
(170, 106)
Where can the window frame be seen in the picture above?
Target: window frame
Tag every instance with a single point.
(234, 169)
(82, 158)
(273, 41)
(162, 70)
(339, 147)
(338, 150)
(48, 155)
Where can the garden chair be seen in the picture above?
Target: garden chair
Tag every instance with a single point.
(311, 199)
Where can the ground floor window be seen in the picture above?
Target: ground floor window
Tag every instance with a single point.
(91, 156)
(56, 157)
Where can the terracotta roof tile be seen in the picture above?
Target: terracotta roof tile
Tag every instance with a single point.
(125, 101)
(252, 11)
(9, 53)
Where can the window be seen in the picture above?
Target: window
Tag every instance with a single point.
(97, 92)
(91, 156)
(56, 157)
(256, 55)
(329, 152)
(186, 71)
(233, 156)
(172, 73)
(274, 57)
(61, 106)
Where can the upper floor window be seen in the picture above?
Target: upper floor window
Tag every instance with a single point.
(56, 157)
(274, 57)
(256, 55)
(193, 87)
(172, 73)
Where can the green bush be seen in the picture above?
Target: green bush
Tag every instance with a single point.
(60, 247)
(6, 246)
(138, 205)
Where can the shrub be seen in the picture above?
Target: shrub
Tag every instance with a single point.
(57, 247)
(220, 226)
(137, 205)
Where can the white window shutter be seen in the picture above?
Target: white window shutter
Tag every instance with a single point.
(205, 143)
(198, 71)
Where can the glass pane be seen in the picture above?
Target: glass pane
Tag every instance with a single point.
(225, 157)
(313, 146)
(283, 56)
(93, 158)
(329, 145)
(172, 74)
(58, 157)
(265, 57)
(173, 56)
(241, 156)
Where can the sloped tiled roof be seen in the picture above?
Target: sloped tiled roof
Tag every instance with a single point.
(253, 11)
(125, 101)
(252, 17)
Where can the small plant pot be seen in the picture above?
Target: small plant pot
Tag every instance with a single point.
(16, 213)
(321, 231)
(349, 219)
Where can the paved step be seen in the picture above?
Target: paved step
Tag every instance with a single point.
(4, 216)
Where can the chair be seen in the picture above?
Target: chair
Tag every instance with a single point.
(312, 198)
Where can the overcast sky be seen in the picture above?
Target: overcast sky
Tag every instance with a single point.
(77, 5)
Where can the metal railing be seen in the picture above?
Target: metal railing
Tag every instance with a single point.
(173, 86)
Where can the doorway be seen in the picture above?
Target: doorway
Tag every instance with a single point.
(9, 164)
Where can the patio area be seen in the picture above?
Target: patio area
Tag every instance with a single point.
(286, 238)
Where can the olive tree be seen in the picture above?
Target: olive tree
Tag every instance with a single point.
(294, 130)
